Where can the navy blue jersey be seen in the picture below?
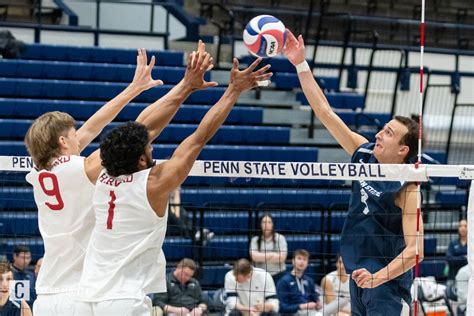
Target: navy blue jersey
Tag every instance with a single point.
(372, 235)
(11, 308)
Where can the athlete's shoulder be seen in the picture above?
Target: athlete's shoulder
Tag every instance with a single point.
(363, 152)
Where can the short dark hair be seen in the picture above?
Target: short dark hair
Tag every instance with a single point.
(301, 252)
(21, 248)
(410, 139)
(242, 267)
(187, 263)
(121, 148)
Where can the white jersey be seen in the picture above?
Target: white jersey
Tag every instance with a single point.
(341, 289)
(124, 259)
(63, 196)
(258, 289)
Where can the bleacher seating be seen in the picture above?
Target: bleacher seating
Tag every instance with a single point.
(16, 129)
(20, 223)
(284, 80)
(453, 198)
(84, 71)
(89, 90)
(82, 110)
(210, 152)
(261, 197)
(97, 55)
(339, 100)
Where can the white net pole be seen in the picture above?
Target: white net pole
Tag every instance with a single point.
(470, 250)
(420, 138)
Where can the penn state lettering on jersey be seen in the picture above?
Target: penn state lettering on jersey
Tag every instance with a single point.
(372, 235)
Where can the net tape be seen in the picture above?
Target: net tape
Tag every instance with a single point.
(298, 170)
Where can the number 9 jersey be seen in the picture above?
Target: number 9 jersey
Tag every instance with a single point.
(66, 219)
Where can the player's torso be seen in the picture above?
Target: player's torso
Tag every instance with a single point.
(254, 290)
(63, 196)
(373, 203)
(124, 252)
(123, 214)
(372, 234)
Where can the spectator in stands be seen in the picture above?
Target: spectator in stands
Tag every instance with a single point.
(9, 306)
(184, 294)
(296, 291)
(38, 266)
(178, 220)
(462, 286)
(269, 249)
(336, 296)
(457, 251)
(21, 262)
(250, 291)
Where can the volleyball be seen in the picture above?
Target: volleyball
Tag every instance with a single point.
(265, 36)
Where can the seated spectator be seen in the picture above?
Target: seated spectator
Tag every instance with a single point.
(178, 221)
(9, 306)
(38, 267)
(335, 286)
(21, 262)
(462, 285)
(296, 291)
(249, 291)
(184, 294)
(457, 251)
(269, 249)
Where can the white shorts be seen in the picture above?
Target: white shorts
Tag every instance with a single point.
(123, 307)
(55, 304)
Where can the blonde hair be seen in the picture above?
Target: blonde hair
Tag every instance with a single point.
(5, 267)
(42, 138)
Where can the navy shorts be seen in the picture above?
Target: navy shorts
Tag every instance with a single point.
(384, 300)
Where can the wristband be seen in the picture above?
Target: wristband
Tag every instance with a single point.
(302, 67)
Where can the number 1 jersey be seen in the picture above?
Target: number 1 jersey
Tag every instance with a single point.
(124, 259)
(63, 196)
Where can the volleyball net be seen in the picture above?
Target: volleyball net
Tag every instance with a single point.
(308, 204)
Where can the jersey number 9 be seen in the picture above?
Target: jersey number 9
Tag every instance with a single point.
(53, 192)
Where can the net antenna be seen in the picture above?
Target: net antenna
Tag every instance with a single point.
(420, 154)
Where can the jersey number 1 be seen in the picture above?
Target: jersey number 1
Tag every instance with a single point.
(110, 218)
(54, 191)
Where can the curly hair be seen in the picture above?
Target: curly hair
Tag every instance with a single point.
(121, 148)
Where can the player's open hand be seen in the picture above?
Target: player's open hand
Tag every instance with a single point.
(248, 78)
(366, 280)
(142, 80)
(294, 48)
(199, 62)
